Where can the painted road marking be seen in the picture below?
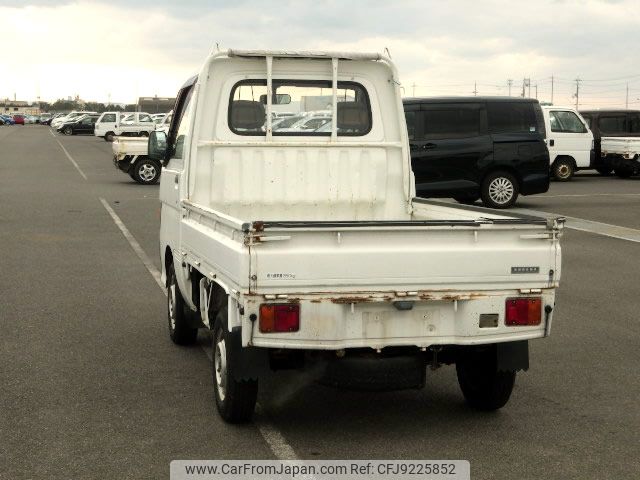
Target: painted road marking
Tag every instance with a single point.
(276, 441)
(69, 156)
(590, 195)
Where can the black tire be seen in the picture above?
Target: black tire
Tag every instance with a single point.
(483, 386)
(146, 171)
(499, 190)
(109, 136)
(563, 169)
(144, 134)
(604, 171)
(468, 199)
(235, 399)
(181, 330)
(623, 172)
(67, 131)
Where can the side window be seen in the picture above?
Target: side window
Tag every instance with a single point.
(451, 123)
(109, 117)
(411, 124)
(512, 117)
(634, 123)
(182, 127)
(145, 118)
(613, 124)
(566, 122)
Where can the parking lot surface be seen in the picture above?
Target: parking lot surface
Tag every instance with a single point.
(92, 387)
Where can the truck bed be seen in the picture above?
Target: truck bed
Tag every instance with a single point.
(129, 146)
(627, 147)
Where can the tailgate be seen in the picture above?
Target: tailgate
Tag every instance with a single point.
(404, 256)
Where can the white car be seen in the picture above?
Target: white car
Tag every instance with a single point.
(309, 122)
(56, 122)
(113, 124)
(313, 252)
(569, 140)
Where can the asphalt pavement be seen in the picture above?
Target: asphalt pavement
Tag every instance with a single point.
(92, 387)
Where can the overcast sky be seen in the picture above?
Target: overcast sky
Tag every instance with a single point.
(124, 49)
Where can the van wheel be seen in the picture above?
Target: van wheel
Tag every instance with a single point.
(563, 169)
(68, 131)
(624, 172)
(499, 190)
(483, 386)
(180, 330)
(109, 136)
(467, 200)
(235, 399)
(146, 171)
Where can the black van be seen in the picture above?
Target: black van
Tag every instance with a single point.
(477, 147)
(610, 123)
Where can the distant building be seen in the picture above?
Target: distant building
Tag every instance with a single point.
(13, 107)
(155, 104)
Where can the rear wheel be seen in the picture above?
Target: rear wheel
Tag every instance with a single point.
(68, 131)
(499, 190)
(235, 399)
(563, 169)
(483, 386)
(144, 134)
(181, 330)
(146, 171)
(624, 172)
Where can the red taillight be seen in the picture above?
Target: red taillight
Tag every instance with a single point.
(523, 311)
(279, 318)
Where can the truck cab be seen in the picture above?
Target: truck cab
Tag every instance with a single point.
(308, 249)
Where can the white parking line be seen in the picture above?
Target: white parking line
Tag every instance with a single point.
(599, 228)
(69, 156)
(276, 441)
(590, 195)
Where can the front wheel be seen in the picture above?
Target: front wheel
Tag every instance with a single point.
(68, 131)
(146, 171)
(181, 331)
(484, 387)
(109, 136)
(563, 170)
(144, 134)
(499, 190)
(235, 399)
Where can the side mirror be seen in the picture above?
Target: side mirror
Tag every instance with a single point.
(157, 149)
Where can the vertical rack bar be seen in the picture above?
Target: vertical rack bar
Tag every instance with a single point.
(269, 95)
(334, 100)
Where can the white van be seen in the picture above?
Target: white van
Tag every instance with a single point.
(112, 124)
(569, 140)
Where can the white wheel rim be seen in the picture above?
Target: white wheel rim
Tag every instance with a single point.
(501, 190)
(220, 365)
(563, 171)
(172, 307)
(147, 172)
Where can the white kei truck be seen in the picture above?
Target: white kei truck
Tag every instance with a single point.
(569, 140)
(622, 154)
(308, 249)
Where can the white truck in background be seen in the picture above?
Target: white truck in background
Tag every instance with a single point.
(114, 124)
(300, 249)
(623, 154)
(569, 140)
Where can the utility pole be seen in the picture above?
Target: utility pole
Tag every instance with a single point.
(577, 94)
(536, 87)
(413, 89)
(475, 89)
(526, 82)
(626, 102)
(509, 83)
(551, 89)
(529, 84)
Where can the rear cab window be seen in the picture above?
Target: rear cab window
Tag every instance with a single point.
(307, 104)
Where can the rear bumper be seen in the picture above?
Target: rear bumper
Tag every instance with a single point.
(374, 322)
(535, 183)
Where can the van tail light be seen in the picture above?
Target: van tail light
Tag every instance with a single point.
(279, 318)
(523, 312)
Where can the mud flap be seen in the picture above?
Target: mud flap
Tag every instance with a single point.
(250, 363)
(512, 356)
